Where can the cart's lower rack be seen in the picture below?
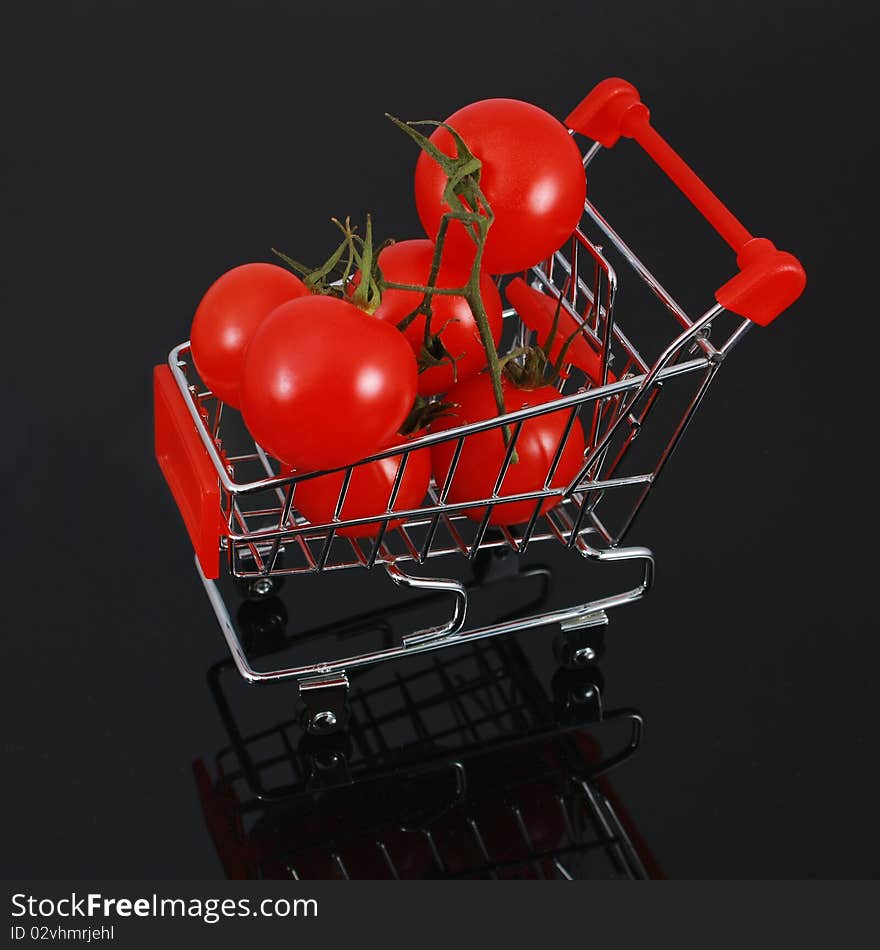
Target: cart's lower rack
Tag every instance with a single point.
(321, 679)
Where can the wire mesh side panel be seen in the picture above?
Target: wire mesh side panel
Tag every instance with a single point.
(267, 535)
(632, 409)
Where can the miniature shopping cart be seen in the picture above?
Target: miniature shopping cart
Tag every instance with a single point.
(654, 372)
(457, 764)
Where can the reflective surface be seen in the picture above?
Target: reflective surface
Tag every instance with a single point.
(729, 778)
(461, 763)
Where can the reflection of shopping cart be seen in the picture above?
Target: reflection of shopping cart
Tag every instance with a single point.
(457, 764)
(650, 379)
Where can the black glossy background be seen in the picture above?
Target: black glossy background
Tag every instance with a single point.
(148, 147)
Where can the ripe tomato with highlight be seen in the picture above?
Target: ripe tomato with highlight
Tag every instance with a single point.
(532, 176)
(227, 317)
(325, 384)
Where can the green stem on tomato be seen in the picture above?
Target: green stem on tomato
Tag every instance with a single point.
(428, 290)
(427, 303)
(368, 293)
(554, 327)
(472, 294)
(421, 289)
(462, 191)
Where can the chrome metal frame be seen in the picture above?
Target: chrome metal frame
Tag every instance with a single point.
(266, 536)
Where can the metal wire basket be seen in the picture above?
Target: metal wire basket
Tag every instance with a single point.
(633, 412)
(460, 765)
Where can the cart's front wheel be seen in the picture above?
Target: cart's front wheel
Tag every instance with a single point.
(262, 626)
(575, 649)
(577, 694)
(259, 588)
(326, 710)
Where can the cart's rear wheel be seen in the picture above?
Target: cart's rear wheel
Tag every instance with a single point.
(575, 649)
(263, 586)
(326, 758)
(259, 588)
(577, 694)
(492, 564)
(262, 626)
(326, 710)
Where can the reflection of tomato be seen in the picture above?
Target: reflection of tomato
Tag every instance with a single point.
(369, 491)
(457, 844)
(350, 821)
(304, 834)
(362, 858)
(510, 853)
(483, 452)
(503, 836)
(229, 313)
(324, 384)
(409, 262)
(532, 177)
(410, 852)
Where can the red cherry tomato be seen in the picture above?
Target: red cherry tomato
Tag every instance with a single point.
(409, 262)
(532, 176)
(324, 384)
(483, 453)
(229, 313)
(369, 492)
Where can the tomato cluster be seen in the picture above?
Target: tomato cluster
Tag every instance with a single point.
(327, 372)
(409, 262)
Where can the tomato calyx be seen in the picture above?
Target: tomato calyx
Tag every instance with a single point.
(434, 351)
(355, 256)
(566, 338)
(543, 363)
(368, 293)
(423, 413)
(462, 170)
(526, 367)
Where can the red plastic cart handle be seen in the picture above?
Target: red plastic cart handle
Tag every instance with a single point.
(769, 281)
(188, 470)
